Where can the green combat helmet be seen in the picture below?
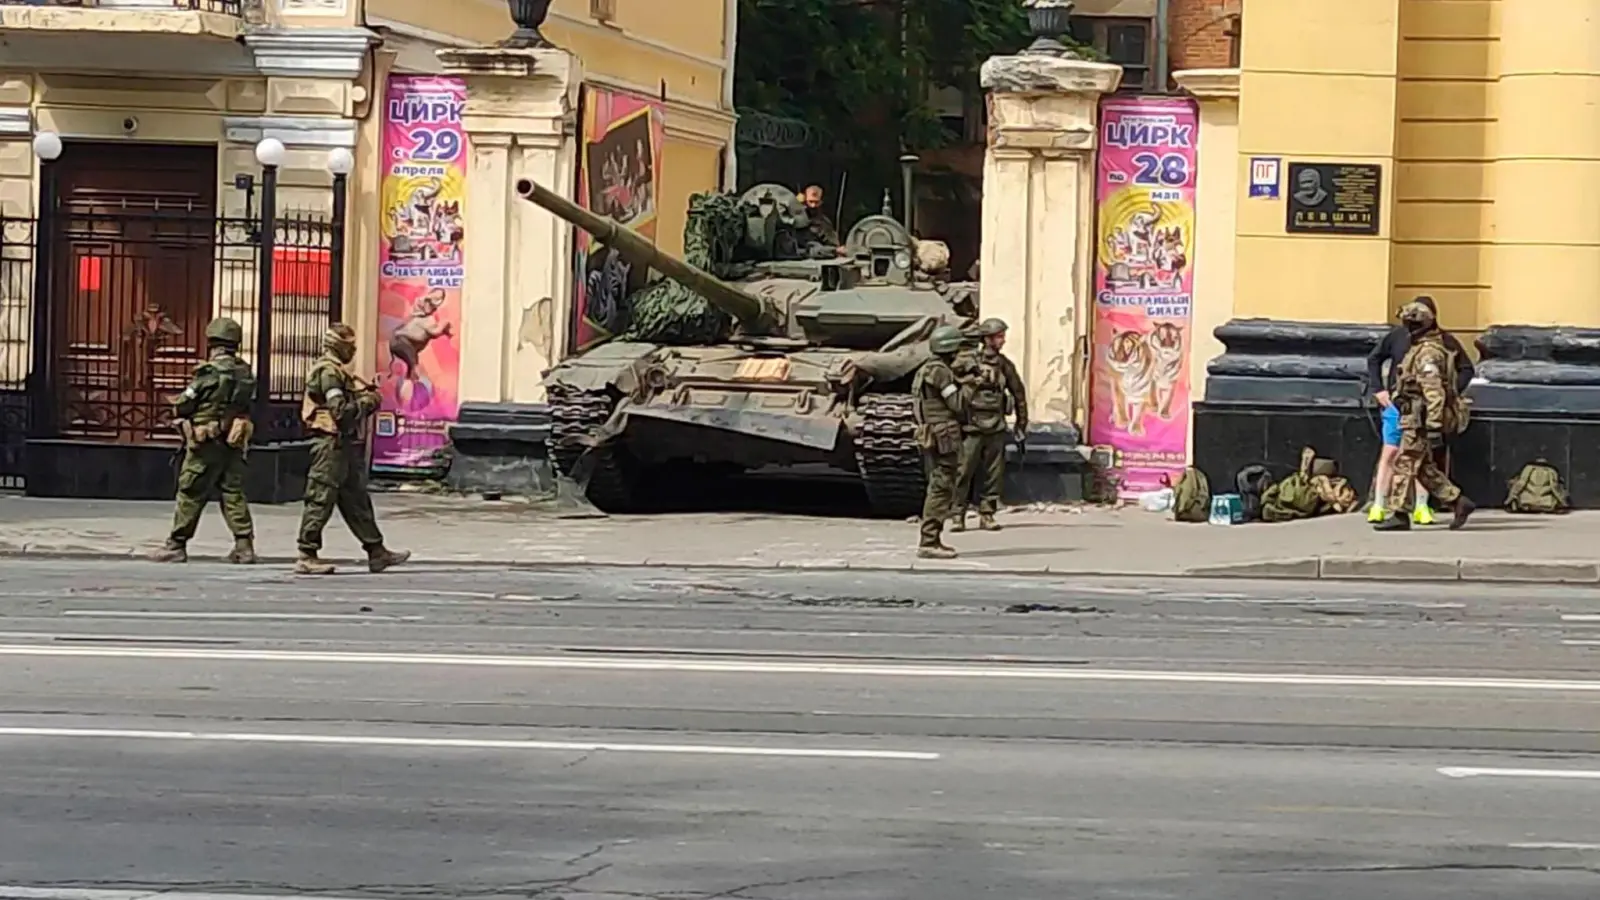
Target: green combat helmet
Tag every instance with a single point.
(945, 339)
(225, 331)
(992, 327)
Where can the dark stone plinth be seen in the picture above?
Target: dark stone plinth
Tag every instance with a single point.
(499, 448)
(1053, 467)
(91, 470)
(1280, 386)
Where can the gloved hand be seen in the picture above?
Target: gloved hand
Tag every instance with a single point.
(1435, 441)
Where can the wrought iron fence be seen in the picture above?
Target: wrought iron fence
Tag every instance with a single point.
(226, 7)
(16, 310)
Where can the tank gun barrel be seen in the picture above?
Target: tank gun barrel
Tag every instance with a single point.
(748, 309)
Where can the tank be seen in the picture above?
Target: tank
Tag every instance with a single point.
(813, 365)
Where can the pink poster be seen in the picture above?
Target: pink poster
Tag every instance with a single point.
(420, 271)
(1144, 286)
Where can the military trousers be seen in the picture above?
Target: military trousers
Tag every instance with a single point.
(943, 471)
(1416, 465)
(337, 480)
(983, 472)
(210, 467)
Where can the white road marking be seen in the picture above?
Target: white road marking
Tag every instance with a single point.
(381, 592)
(759, 667)
(1471, 772)
(1581, 643)
(1580, 617)
(8, 892)
(337, 740)
(1554, 845)
(231, 616)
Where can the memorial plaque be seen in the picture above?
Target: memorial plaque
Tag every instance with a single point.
(1334, 198)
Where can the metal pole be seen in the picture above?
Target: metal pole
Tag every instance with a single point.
(908, 203)
(264, 263)
(42, 418)
(1163, 73)
(341, 186)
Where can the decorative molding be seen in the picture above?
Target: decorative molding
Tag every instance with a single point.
(16, 121)
(1039, 74)
(1209, 84)
(311, 52)
(327, 9)
(292, 131)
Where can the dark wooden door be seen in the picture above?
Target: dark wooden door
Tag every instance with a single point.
(133, 283)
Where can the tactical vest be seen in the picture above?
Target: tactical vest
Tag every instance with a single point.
(931, 408)
(235, 393)
(1408, 389)
(315, 415)
(987, 400)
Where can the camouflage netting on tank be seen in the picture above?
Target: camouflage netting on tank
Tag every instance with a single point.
(666, 312)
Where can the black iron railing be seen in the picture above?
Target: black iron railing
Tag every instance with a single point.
(225, 7)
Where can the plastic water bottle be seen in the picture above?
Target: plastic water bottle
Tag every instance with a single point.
(1158, 501)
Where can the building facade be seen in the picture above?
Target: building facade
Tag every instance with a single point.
(157, 111)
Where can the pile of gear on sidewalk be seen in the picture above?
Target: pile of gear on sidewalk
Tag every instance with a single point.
(1423, 403)
(213, 415)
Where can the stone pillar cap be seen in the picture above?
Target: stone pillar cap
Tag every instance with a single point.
(1029, 73)
(509, 62)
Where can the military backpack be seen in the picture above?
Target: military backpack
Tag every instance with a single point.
(1191, 497)
(1252, 483)
(1537, 489)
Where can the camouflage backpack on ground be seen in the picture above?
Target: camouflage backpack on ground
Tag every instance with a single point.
(1537, 489)
(1313, 489)
(1191, 497)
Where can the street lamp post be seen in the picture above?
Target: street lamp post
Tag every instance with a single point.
(269, 153)
(42, 420)
(340, 164)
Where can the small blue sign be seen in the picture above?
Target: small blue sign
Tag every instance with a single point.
(1265, 174)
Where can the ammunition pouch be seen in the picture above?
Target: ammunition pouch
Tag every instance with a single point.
(240, 430)
(316, 418)
(195, 435)
(939, 438)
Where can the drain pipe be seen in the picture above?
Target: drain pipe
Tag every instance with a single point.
(1163, 74)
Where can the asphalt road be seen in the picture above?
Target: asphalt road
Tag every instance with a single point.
(779, 736)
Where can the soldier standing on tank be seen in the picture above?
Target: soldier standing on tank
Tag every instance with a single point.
(994, 390)
(213, 415)
(1431, 409)
(817, 222)
(335, 411)
(941, 412)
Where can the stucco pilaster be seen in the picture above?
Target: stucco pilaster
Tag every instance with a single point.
(1038, 219)
(520, 119)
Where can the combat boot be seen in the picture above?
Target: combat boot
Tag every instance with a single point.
(1393, 522)
(244, 552)
(1463, 511)
(379, 559)
(987, 523)
(936, 551)
(958, 522)
(171, 552)
(310, 564)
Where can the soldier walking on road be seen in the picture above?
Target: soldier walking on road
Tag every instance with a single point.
(213, 415)
(941, 413)
(1431, 409)
(335, 410)
(995, 390)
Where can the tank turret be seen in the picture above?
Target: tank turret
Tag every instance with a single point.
(754, 315)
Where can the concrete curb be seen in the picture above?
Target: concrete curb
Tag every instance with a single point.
(1327, 568)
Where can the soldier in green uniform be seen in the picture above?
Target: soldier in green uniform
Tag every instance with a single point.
(1431, 409)
(213, 415)
(995, 389)
(941, 412)
(335, 410)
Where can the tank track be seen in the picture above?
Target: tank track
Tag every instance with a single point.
(576, 414)
(887, 455)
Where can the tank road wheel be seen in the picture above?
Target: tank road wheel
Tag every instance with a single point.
(888, 457)
(579, 414)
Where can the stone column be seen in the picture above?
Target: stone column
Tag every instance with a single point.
(1216, 212)
(1038, 220)
(1545, 263)
(520, 121)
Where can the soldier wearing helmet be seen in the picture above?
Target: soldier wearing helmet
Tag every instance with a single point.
(995, 390)
(213, 416)
(941, 412)
(1431, 409)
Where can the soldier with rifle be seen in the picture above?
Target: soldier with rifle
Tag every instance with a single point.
(213, 416)
(995, 390)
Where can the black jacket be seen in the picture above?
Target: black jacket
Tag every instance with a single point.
(1394, 347)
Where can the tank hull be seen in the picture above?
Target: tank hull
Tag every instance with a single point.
(628, 416)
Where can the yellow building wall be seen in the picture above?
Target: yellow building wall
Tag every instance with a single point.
(1444, 158)
(694, 168)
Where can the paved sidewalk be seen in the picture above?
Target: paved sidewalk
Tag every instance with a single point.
(1098, 541)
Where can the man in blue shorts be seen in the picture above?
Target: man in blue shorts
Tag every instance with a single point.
(1391, 350)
